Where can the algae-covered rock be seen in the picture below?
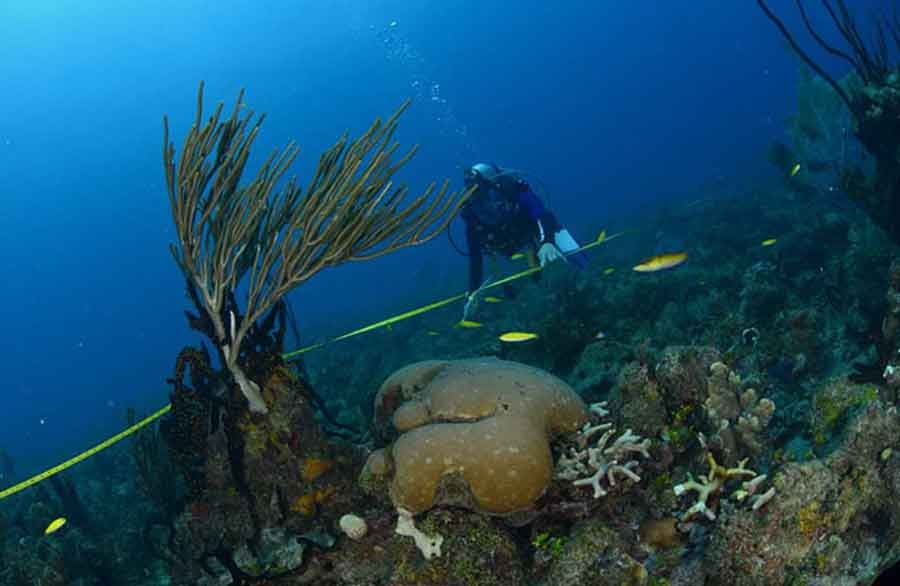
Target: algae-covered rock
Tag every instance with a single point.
(833, 405)
(276, 553)
(597, 369)
(636, 402)
(682, 372)
(597, 555)
(832, 521)
(477, 551)
(375, 477)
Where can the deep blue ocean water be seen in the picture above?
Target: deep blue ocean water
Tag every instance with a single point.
(617, 107)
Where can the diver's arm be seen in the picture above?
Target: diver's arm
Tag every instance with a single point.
(476, 263)
(548, 230)
(545, 223)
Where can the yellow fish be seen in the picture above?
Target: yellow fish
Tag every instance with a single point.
(433, 333)
(661, 262)
(517, 336)
(602, 236)
(492, 299)
(517, 256)
(609, 271)
(55, 525)
(769, 242)
(795, 169)
(466, 323)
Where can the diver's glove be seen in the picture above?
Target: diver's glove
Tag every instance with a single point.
(548, 253)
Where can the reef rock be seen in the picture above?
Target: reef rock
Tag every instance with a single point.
(832, 521)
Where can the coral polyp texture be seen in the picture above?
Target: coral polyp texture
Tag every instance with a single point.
(477, 434)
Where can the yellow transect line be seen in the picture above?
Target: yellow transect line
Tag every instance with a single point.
(29, 482)
(436, 304)
(375, 326)
(83, 455)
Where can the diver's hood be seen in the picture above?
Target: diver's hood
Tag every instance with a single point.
(485, 172)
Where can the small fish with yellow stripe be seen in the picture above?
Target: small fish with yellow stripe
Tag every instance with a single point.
(513, 337)
(55, 525)
(661, 262)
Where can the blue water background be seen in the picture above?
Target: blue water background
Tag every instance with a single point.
(618, 108)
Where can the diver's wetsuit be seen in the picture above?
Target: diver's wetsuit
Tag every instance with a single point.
(505, 218)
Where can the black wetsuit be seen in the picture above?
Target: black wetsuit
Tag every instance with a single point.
(504, 218)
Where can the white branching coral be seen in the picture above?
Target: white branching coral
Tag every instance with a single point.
(585, 465)
(711, 483)
(429, 545)
(708, 485)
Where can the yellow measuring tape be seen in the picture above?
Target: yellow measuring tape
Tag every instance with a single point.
(603, 238)
(383, 323)
(83, 455)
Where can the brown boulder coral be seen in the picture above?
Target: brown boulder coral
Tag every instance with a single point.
(477, 434)
(403, 385)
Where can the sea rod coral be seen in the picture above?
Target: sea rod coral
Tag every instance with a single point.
(228, 232)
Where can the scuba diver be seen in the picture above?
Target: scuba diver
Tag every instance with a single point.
(504, 216)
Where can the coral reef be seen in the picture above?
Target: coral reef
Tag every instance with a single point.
(711, 483)
(266, 482)
(595, 554)
(832, 520)
(684, 473)
(637, 400)
(833, 405)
